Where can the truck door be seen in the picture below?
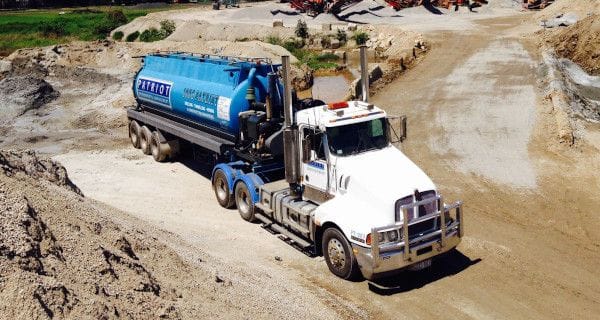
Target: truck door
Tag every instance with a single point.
(314, 162)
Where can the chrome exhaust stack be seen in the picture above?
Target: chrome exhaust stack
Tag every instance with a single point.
(364, 74)
(291, 150)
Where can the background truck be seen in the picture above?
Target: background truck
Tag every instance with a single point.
(326, 176)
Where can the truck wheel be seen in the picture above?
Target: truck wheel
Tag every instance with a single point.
(134, 133)
(158, 152)
(243, 200)
(338, 254)
(221, 187)
(145, 136)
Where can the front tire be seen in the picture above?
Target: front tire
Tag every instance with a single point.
(221, 188)
(338, 254)
(244, 202)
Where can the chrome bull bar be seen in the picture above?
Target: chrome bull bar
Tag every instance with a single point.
(440, 234)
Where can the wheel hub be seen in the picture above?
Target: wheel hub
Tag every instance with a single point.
(337, 255)
(221, 189)
(243, 205)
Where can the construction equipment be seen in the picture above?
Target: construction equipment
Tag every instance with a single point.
(326, 177)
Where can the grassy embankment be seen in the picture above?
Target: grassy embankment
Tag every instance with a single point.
(34, 28)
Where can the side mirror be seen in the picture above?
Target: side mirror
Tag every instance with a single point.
(306, 149)
(396, 128)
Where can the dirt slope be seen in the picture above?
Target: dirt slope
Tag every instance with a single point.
(579, 7)
(580, 43)
(63, 256)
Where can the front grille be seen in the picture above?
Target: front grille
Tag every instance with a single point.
(422, 210)
(420, 228)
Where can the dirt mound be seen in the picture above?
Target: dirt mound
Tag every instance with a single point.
(580, 7)
(60, 258)
(580, 43)
(28, 163)
(19, 94)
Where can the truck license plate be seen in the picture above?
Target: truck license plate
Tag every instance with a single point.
(420, 265)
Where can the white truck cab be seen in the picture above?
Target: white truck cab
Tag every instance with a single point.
(349, 193)
(362, 182)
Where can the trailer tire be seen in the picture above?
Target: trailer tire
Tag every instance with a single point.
(338, 254)
(221, 187)
(134, 133)
(244, 202)
(158, 151)
(145, 136)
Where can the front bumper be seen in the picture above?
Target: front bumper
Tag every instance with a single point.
(385, 258)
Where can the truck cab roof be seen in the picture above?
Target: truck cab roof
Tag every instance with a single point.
(339, 114)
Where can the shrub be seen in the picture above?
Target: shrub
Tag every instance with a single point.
(152, 34)
(274, 40)
(301, 29)
(327, 57)
(341, 36)
(132, 36)
(360, 37)
(111, 21)
(118, 35)
(56, 28)
(103, 28)
(168, 26)
(116, 17)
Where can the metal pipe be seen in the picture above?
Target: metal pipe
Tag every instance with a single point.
(291, 150)
(405, 233)
(287, 91)
(442, 210)
(364, 73)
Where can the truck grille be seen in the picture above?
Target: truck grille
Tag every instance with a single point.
(421, 227)
(422, 210)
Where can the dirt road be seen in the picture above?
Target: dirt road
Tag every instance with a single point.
(480, 127)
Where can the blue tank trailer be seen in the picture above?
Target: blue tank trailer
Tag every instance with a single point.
(229, 105)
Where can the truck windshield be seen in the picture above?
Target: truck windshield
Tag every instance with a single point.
(358, 137)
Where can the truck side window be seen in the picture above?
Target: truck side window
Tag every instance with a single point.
(316, 143)
(319, 146)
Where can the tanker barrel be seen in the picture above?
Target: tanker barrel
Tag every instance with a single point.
(290, 132)
(364, 73)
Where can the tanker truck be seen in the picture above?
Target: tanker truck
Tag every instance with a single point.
(326, 177)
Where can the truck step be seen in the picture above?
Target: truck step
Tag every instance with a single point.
(286, 236)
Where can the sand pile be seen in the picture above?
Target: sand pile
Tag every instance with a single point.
(19, 94)
(580, 7)
(580, 43)
(59, 258)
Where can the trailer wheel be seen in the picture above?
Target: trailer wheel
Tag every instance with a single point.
(221, 187)
(338, 254)
(134, 133)
(244, 202)
(145, 136)
(158, 152)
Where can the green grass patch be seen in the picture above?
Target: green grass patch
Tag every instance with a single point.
(313, 59)
(33, 28)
